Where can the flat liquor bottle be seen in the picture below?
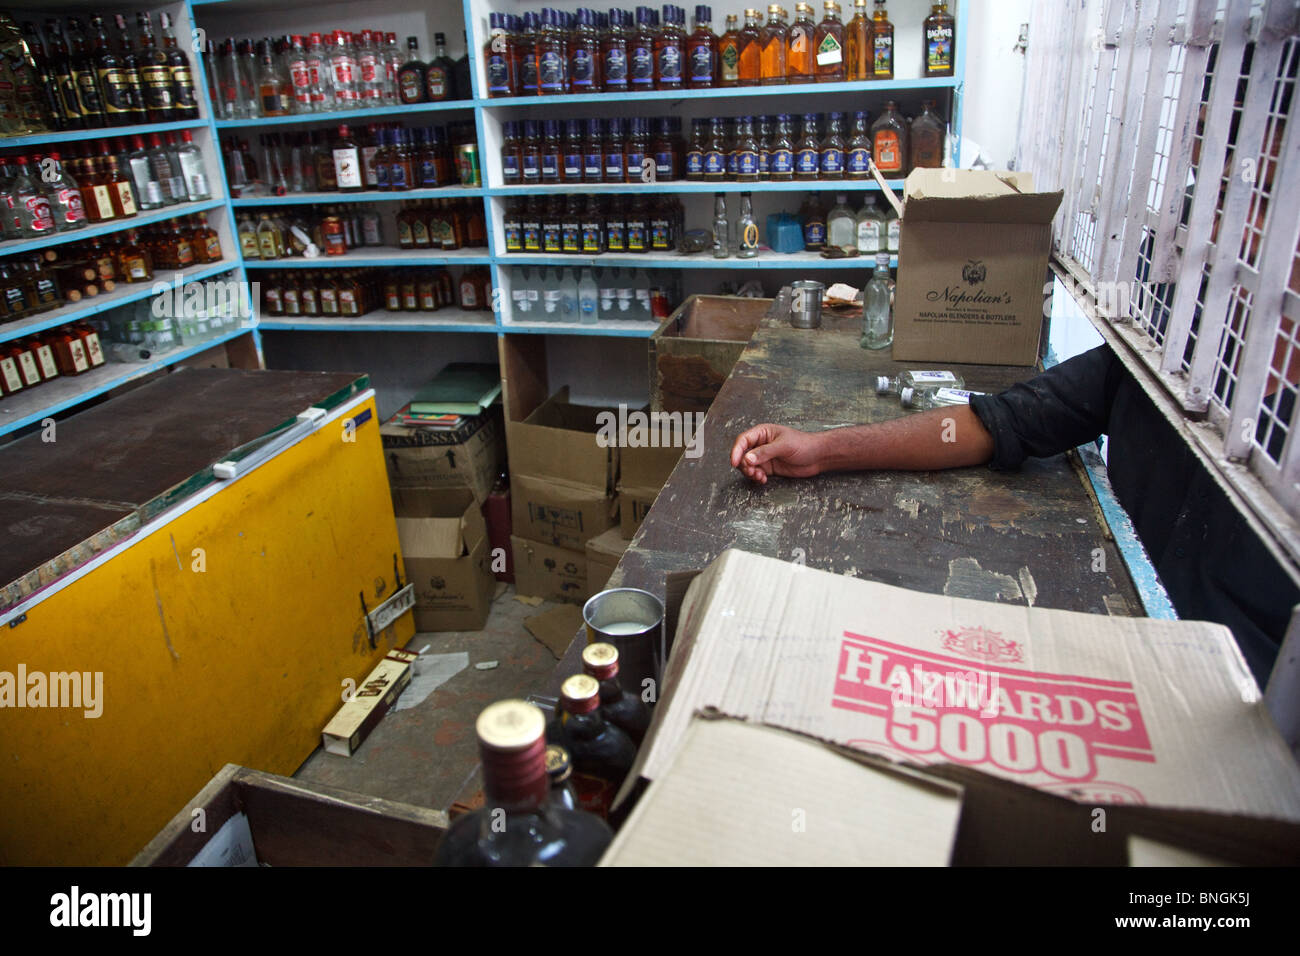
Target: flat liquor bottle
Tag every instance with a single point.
(857, 44)
(800, 63)
(520, 824)
(882, 43)
(939, 41)
(670, 52)
(889, 142)
(828, 42)
(751, 50)
(729, 54)
(773, 41)
(702, 51)
(927, 136)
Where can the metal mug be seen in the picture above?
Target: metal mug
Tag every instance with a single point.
(806, 304)
(633, 621)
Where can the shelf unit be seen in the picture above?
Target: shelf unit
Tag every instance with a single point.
(218, 19)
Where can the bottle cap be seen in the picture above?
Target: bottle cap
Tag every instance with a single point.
(580, 694)
(512, 746)
(882, 260)
(883, 384)
(559, 766)
(907, 395)
(600, 660)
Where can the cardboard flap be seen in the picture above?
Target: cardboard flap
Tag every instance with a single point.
(437, 522)
(647, 467)
(976, 195)
(559, 440)
(431, 537)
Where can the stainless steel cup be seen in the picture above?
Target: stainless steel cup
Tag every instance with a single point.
(806, 304)
(633, 621)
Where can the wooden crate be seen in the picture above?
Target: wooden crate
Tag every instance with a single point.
(693, 351)
(299, 824)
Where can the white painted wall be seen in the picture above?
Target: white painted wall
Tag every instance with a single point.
(994, 80)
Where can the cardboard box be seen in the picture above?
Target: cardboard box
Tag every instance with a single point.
(470, 456)
(445, 549)
(694, 350)
(358, 716)
(558, 440)
(972, 267)
(1102, 710)
(642, 474)
(603, 554)
(558, 512)
(543, 570)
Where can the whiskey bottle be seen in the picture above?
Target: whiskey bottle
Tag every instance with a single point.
(500, 66)
(882, 43)
(773, 43)
(695, 151)
(927, 135)
(614, 165)
(715, 152)
(129, 67)
(781, 151)
(831, 160)
(65, 77)
(437, 76)
(729, 54)
(939, 41)
(746, 151)
(526, 47)
(636, 148)
(45, 73)
(800, 62)
(813, 217)
(614, 54)
(751, 50)
(113, 85)
(347, 162)
(857, 44)
(807, 159)
(889, 143)
(274, 91)
(155, 74)
(641, 52)
(620, 707)
(857, 162)
(584, 55)
(550, 161)
(90, 102)
(519, 824)
(602, 753)
(185, 100)
(828, 44)
(410, 77)
(571, 152)
(670, 52)
(702, 51)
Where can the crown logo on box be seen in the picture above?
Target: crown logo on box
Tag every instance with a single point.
(981, 643)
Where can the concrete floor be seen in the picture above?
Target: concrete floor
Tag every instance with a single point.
(424, 755)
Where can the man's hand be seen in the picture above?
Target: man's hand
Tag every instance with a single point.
(776, 450)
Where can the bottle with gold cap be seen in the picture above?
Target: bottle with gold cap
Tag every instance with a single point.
(559, 773)
(800, 62)
(773, 41)
(519, 824)
(620, 707)
(602, 753)
(751, 50)
(828, 45)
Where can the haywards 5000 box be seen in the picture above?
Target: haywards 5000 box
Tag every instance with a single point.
(1101, 709)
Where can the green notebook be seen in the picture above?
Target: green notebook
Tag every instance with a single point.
(462, 388)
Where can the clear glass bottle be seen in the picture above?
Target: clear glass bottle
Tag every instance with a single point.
(935, 398)
(878, 307)
(300, 76)
(746, 229)
(869, 228)
(192, 168)
(841, 224)
(919, 380)
(274, 91)
(62, 194)
(344, 94)
(721, 227)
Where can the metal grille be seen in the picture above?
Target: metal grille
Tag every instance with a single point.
(1170, 135)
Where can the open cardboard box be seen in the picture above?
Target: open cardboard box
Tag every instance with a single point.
(444, 546)
(643, 472)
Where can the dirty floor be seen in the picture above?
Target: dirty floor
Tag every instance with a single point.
(423, 755)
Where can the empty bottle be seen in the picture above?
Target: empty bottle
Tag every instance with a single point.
(935, 398)
(721, 228)
(878, 307)
(931, 379)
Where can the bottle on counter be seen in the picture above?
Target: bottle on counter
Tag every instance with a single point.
(935, 398)
(602, 753)
(878, 307)
(622, 708)
(918, 380)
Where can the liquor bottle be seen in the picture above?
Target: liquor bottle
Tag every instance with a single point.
(807, 161)
(530, 156)
(721, 227)
(247, 230)
(602, 753)
(893, 229)
(746, 229)
(437, 76)
(918, 381)
(927, 134)
(702, 51)
(166, 169)
(857, 44)
(620, 707)
(148, 186)
(715, 152)
(662, 150)
(274, 92)
(341, 59)
(155, 74)
(462, 87)
(593, 153)
(637, 148)
(130, 84)
(393, 59)
(936, 397)
(869, 228)
(641, 52)
(889, 147)
(751, 50)
(638, 226)
(800, 62)
(584, 55)
(112, 83)
(45, 72)
(65, 77)
(512, 154)
(746, 150)
(370, 70)
(571, 152)
(882, 43)
(410, 78)
(828, 44)
(938, 42)
(536, 830)
(401, 164)
(592, 227)
(192, 169)
(781, 150)
(347, 162)
(729, 54)
(97, 201)
(614, 54)
(550, 55)
(552, 241)
(858, 154)
(831, 160)
(89, 102)
(62, 194)
(500, 67)
(295, 61)
(614, 162)
(841, 224)
(526, 45)
(773, 42)
(670, 52)
(185, 100)
(877, 307)
(694, 160)
(550, 163)
(813, 217)
(616, 225)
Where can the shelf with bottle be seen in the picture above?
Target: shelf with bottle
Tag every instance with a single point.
(298, 199)
(684, 186)
(29, 407)
(15, 246)
(765, 259)
(344, 116)
(79, 135)
(449, 320)
(377, 256)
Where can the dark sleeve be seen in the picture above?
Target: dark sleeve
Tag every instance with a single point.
(1066, 406)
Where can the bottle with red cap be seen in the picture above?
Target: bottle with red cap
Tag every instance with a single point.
(622, 708)
(520, 824)
(602, 753)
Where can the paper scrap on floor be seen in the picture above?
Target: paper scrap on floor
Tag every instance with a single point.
(430, 672)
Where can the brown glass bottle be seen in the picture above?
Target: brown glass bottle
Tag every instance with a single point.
(729, 54)
(927, 135)
(185, 102)
(828, 45)
(670, 52)
(889, 146)
(702, 52)
(773, 42)
(134, 263)
(882, 43)
(155, 74)
(800, 61)
(857, 44)
(751, 51)
(116, 94)
(939, 42)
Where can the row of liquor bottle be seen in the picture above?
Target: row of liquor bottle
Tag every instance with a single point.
(82, 79)
(917, 388)
(54, 277)
(319, 294)
(441, 224)
(388, 157)
(589, 295)
(548, 784)
(329, 71)
(170, 320)
(554, 52)
(45, 193)
(67, 350)
(355, 292)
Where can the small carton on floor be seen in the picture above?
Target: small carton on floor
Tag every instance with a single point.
(374, 698)
(642, 474)
(543, 570)
(468, 456)
(445, 550)
(603, 554)
(1097, 709)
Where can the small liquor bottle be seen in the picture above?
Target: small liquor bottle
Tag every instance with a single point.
(882, 43)
(857, 160)
(715, 152)
(613, 55)
(927, 136)
(641, 52)
(602, 753)
(501, 79)
(938, 43)
(550, 151)
(620, 707)
(764, 137)
(746, 151)
(437, 75)
(781, 150)
(511, 154)
(571, 225)
(593, 227)
(571, 152)
(828, 42)
(773, 42)
(410, 77)
(614, 163)
(800, 63)
(530, 163)
(347, 162)
(185, 100)
(615, 225)
(155, 74)
(751, 50)
(813, 217)
(695, 151)
(702, 51)
(584, 55)
(536, 830)
(889, 143)
(637, 148)
(670, 52)
(593, 153)
(527, 47)
(832, 149)
(638, 225)
(857, 44)
(729, 54)
(661, 147)
(807, 159)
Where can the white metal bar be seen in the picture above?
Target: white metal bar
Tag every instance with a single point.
(1232, 220)
(1112, 19)
(1067, 159)
(1214, 146)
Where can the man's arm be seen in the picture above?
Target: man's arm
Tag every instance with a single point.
(939, 438)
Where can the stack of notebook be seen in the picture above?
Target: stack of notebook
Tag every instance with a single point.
(460, 391)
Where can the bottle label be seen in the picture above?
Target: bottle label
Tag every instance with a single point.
(715, 163)
(731, 164)
(78, 354)
(382, 173)
(572, 167)
(39, 215)
(701, 70)
(832, 161)
(889, 152)
(829, 51)
(634, 161)
(369, 67)
(593, 166)
(291, 304)
(694, 164)
(660, 234)
(103, 202)
(858, 162)
(953, 396)
(532, 236)
(117, 95)
(591, 237)
(198, 186)
(396, 177)
(309, 303)
(300, 77)
(614, 167)
(729, 57)
(45, 358)
(420, 234)
(551, 237)
(520, 299)
(571, 236)
(807, 162)
(581, 73)
(436, 83)
(514, 235)
(329, 302)
(670, 65)
(892, 232)
(550, 72)
(616, 69)
(938, 48)
(183, 86)
(266, 245)
(528, 75)
(509, 167)
(664, 166)
(212, 248)
(781, 162)
(642, 65)
(411, 86)
(498, 72)
(88, 91)
(746, 163)
(71, 106)
(28, 366)
(347, 168)
(468, 295)
(614, 235)
(883, 55)
(94, 351)
(869, 236)
(814, 233)
(157, 86)
(429, 173)
(532, 168)
(13, 382)
(636, 236)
